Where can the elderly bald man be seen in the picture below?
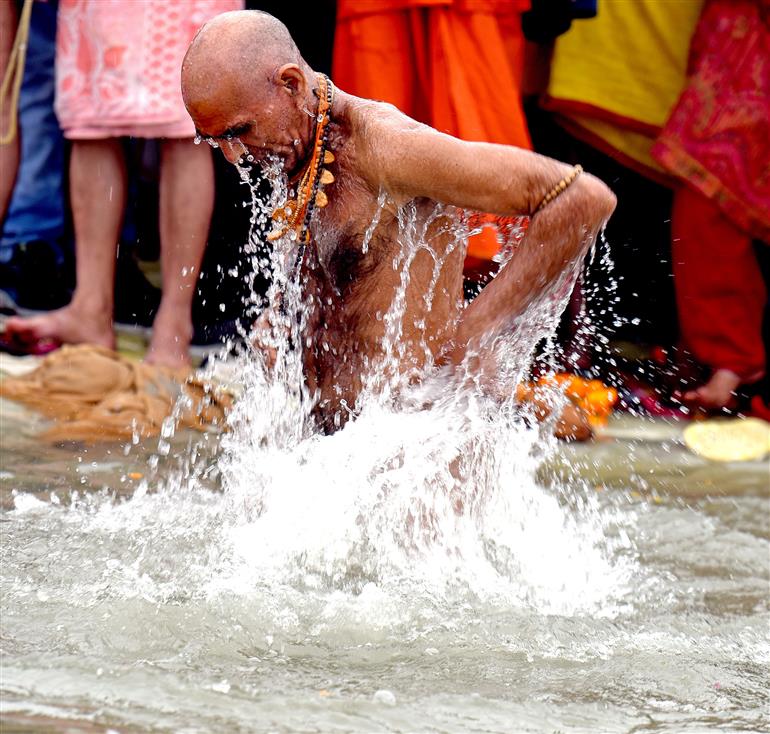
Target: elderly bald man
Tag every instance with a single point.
(248, 89)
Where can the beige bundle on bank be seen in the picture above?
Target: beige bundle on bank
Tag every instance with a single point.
(93, 393)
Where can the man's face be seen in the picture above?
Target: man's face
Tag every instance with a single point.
(251, 127)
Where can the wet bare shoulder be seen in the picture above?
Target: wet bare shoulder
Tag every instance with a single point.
(373, 127)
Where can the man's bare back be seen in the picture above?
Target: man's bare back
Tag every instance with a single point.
(387, 164)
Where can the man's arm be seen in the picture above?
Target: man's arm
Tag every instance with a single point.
(413, 160)
(557, 239)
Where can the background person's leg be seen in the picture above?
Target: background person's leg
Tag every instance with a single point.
(98, 195)
(34, 265)
(186, 203)
(720, 296)
(37, 208)
(9, 153)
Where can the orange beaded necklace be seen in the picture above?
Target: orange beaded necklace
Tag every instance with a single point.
(293, 217)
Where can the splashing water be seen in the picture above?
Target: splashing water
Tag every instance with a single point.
(438, 500)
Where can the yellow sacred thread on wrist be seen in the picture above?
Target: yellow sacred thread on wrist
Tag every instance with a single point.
(559, 188)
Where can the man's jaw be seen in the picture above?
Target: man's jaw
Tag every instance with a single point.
(296, 158)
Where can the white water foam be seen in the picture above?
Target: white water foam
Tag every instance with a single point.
(405, 496)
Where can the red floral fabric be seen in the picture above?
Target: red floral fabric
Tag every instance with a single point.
(718, 136)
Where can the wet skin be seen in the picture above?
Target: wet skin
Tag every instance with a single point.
(377, 148)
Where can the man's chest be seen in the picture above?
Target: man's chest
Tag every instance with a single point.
(371, 282)
(354, 239)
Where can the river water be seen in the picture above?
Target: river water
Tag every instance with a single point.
(335, 586)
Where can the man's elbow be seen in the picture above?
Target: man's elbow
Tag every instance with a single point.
(600, 200)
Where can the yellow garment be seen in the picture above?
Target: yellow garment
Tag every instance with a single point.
(96, 394)
(623, 71)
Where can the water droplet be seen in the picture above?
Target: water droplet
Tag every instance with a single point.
(167, 427)
(384, 697)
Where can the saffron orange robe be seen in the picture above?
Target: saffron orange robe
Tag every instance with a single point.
(455, 65)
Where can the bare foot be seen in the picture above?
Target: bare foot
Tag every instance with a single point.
(171, 335)
(69, 325)
(717, 393)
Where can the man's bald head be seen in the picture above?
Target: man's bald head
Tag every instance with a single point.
(243, 77)
(232, 46)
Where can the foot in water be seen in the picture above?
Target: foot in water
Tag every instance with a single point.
(68, 325)
(719, 392)
(171, 335)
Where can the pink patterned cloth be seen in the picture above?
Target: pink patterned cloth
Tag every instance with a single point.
(118, 65)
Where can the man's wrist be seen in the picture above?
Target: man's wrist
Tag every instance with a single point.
(559, 188)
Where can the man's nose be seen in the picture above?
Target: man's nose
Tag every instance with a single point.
(232, 150)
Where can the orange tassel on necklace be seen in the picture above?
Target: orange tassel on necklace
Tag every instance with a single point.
(293, 217)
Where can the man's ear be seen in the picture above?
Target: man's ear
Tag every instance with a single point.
(291, 78)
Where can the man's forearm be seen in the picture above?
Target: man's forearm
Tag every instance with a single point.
(557, 239)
